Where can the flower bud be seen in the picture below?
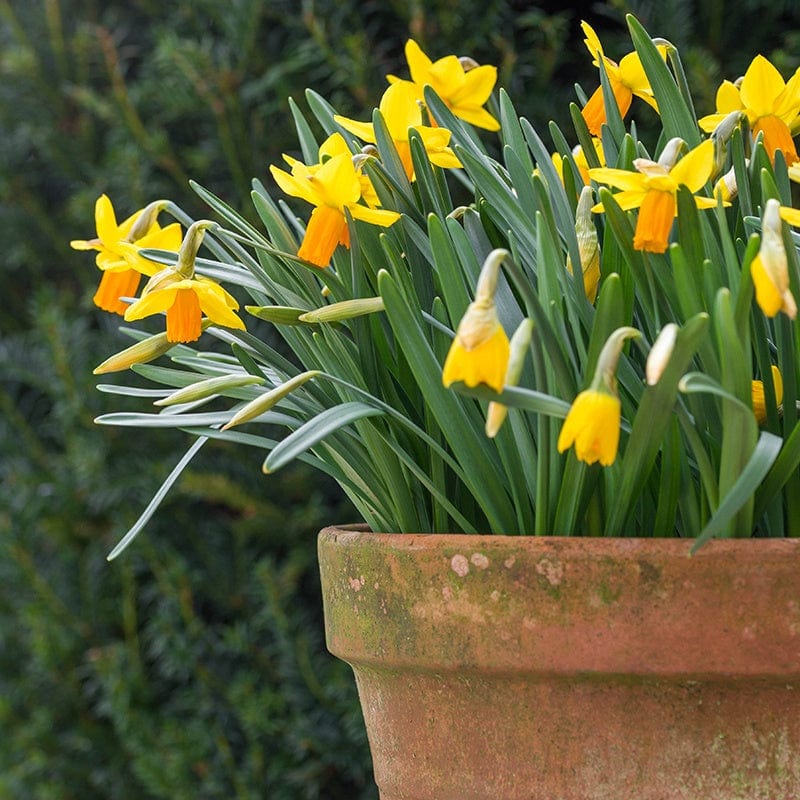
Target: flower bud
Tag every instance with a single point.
(588, 244)
(518, 349)
(660, 353)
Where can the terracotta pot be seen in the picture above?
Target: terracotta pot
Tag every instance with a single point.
(524, 668)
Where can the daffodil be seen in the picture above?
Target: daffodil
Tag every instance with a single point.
(759, 395)
(123, 267)
(653, 189)
(771, 105)
(331, 187)
(770, 269)
(496, 413)
(184, 296)
(335, 145)
(463, 85)
(401, 111)
(580, 159)
(592, 423)
(626, 79)
(480, 350)
(588, 245)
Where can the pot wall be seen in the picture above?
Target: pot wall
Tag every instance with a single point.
(525, 668)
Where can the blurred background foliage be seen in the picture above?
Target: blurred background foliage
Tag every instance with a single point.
(194, 667)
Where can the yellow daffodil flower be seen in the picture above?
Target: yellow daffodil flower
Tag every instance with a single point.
(771, 105)
(653, 190)
(401, 111)
(184, 296)
(463, 85)
(592, 425)
(627, 79)
(580, 160)
(335, 145)
(480, 350)
(770, 269)
(496, 413)
(759, 396)
(185, 300)
(122, 267)
(331, 187)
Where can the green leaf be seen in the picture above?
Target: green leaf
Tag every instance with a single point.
(159, 496)
(676, 117)
(316, 429)
(743, 489)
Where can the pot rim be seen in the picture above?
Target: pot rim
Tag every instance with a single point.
(563, 605)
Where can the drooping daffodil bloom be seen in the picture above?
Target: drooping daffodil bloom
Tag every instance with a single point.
(184, 296)
(653, 189)
(331, 186)
(626, 79)
(759, 394)
(592, 423)
(581, 161)
(770, 268)
(462, 84)
(335, 145)
(122, 267)
(771, 105)
(402, 111)
(480, 350)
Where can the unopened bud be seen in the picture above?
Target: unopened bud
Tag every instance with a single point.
(346, 309)
(660, 353)
(146, 220)
(140, 353)
(468, 63)
(588, 244)
(672, 152)
(208, 388)
(263, 403)
(190, 245)
(518, 349)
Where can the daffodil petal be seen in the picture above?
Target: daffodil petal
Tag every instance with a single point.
(374, 216)
(619, 178)
(477, 87)
(761, 86)
(151, 303)
(695, 168)
(418, 62)
(363, 130)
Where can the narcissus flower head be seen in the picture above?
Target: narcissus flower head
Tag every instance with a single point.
(771, 105)
(122, 266)
(770, 268)
(331, 186)
(592, 425)
(462, 84)
(401, 111)
(480, 350)
(184, 296)
(759, 394)
(626, 79)
(653, 189)
(593, 422)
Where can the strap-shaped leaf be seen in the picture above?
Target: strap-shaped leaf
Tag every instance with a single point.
(315, 430)
(159, 496)
(676, 117)
(742, 491)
